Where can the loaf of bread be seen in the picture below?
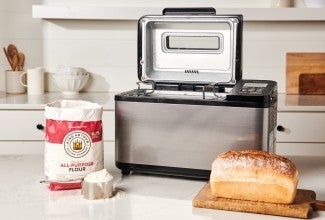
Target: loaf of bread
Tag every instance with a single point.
(254, 176)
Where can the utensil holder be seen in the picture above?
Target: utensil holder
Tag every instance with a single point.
(13, 85)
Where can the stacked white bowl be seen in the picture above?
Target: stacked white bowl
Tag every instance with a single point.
(70, 80)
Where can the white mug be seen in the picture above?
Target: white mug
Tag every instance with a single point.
(13, 79)
(35, 81)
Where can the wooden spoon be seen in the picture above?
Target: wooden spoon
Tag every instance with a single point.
(12, 50)
(21, 60)
(14, 61)
(8, 58)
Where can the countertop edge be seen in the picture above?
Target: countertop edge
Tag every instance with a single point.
(286, 103)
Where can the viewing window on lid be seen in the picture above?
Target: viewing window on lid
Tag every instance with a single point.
(192, 42)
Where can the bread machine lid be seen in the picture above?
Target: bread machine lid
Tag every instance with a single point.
(190, 46)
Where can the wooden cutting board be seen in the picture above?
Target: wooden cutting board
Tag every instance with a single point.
(312, 84)
(302, 206)
(302, 63)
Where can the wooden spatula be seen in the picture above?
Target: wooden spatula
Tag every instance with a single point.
(21, 60)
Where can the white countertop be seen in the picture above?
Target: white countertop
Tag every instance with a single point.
(146, 197)
(306, 103)
(309, 103)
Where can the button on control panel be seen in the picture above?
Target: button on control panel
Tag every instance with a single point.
(253, 88)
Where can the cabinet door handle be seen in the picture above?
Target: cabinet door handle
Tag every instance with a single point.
(280, 128)
(40, 127)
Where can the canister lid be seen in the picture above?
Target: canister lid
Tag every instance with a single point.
(190, 48)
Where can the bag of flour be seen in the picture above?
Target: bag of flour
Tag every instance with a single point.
(73, 142)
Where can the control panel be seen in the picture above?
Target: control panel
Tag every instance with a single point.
(254, 90)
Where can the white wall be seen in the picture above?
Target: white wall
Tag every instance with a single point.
(107, 49)
(266, 44)
(18, 27)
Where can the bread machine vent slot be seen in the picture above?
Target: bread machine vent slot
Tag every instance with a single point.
(192, 71)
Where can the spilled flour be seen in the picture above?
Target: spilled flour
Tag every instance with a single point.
(117, 194)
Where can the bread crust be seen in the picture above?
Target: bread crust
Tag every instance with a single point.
(255, 176)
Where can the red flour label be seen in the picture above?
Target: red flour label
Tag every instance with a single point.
(57, 130)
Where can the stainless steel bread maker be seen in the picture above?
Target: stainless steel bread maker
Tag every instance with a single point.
(191, 102)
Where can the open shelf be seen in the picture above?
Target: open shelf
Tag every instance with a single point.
(85, 12)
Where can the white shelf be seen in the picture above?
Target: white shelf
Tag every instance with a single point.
(92, 12)
(85, 12)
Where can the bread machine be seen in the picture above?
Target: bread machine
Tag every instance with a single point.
(191, 102)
